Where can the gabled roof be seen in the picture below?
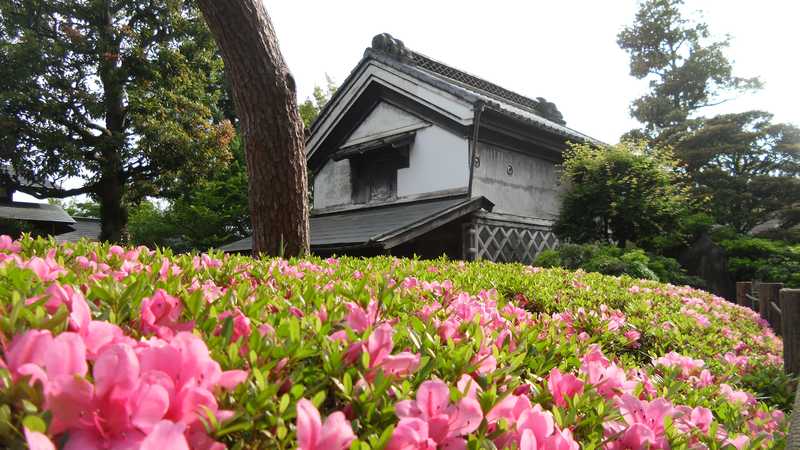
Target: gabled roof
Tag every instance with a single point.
(470, 89)
(34, 212)
(381, 226)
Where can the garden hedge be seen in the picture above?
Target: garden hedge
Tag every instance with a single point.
(129, 348)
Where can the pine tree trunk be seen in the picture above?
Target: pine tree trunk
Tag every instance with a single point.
(265, 99)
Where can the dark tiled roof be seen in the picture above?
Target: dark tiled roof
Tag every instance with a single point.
(84, 227)
(480, 85)
(536, 112)
(34, 212)
(369, 225)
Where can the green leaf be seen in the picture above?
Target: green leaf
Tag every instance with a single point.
(34, 423)
(284, 403)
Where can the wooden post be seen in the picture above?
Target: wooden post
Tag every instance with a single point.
(742, 289)
(790, 324)
(768, 293)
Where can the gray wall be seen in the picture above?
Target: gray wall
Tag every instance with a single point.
(531, 191)
(332, 185)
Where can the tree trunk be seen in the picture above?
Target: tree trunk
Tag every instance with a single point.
(110, 189)
(265, 100)
(113, 227)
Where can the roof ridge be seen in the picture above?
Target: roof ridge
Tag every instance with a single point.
(395, 48)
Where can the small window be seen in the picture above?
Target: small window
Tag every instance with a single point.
(375, 175)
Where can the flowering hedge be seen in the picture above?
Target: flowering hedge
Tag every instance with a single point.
(106, 347)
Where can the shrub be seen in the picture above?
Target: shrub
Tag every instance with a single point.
(751, 258)
(110, 347)
(612, 260)
(622, 193)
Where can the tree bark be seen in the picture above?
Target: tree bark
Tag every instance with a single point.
(114, 214)
(266, 102)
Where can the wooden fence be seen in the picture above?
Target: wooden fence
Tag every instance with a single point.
(781, 308)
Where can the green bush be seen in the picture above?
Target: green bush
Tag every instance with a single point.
(612, 260)
(622, 193)
(752, 258)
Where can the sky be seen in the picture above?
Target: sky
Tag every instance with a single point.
(564, 51)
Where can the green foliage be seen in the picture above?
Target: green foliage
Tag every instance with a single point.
(612, 260)
(309, 109)
(127, 95)
(751, 258)
(623, 193)
(686, 69)
(78, 208)
(746, 166)
(213, 212)
(743, 166)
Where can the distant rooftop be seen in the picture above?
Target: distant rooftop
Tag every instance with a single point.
(34, 212)
(84, 227)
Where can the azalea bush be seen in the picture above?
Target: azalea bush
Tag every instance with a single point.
(106, 347)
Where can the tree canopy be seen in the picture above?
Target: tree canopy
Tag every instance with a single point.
(619, 194)
(310, 108)
(124, 95)
(687, 69)
(745, 166)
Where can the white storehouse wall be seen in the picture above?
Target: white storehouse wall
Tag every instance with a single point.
(437, 159)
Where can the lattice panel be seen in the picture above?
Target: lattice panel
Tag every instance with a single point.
(511, 244)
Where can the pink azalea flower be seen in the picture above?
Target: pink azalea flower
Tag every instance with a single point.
(335, 434)
(607, 378)
(37, 440)
(559, 440)
(8, 244)
(144, 394)
(116, 250)
(633, 337)
(160, 315)
(563, 386)
(379, 346)
(47, 269)
(699, 418)
(688, 366)
(431, 420)
(644, 424)
(28, 348)
(359, 319)
(734, 396)
(166, 435)
(241, 324)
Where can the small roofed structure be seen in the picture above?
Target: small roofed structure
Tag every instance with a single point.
(39, 218)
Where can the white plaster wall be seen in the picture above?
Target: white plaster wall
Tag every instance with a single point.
(384, 120)
(437, 162)
(532, 191)
(332, 185)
